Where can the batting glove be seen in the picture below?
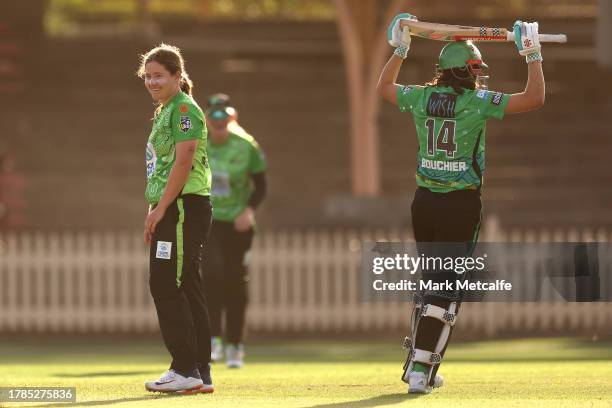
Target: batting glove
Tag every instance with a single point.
(527, 40)
(394, 34)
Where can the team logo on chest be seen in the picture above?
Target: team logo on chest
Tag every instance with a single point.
(185, 124)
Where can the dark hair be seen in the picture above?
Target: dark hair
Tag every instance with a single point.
(170, 57)
(456, 78)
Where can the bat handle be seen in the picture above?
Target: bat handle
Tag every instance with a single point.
(557, 38)
(405, 33)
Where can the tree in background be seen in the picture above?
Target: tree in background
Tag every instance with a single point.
(12, 188)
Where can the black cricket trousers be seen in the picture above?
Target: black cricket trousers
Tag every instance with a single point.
(225, 272)
(439, 218)
(175, 281)
(446, 217)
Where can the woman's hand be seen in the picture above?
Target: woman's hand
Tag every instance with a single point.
(153, 218)
(528, 41)
(245, 220)
(394, 31)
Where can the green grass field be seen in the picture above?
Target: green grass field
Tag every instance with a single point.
(517, 373)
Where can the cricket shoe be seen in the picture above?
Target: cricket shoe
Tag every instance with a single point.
(207, 386)
(417, 383)
(173, 382)
(216, 349)
(234, 355)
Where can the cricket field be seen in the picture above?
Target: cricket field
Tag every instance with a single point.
(555, 372)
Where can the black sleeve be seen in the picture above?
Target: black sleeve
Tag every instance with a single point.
(259, 182)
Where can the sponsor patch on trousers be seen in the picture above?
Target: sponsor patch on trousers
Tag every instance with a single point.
(164, 249)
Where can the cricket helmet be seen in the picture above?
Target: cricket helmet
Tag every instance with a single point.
(459, 54)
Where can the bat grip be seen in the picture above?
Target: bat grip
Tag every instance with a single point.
(405, 33)
(556, 38)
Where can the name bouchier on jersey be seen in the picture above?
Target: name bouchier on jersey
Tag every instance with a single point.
(441, 105)
(443, 165)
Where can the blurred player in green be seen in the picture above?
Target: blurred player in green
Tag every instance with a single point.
(239, 186)
(178, 220)
(450, 115)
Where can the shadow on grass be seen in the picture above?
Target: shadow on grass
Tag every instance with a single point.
(101, 374)
(96, 403)
(379, 401)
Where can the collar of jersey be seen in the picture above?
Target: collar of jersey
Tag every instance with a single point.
(174, 98)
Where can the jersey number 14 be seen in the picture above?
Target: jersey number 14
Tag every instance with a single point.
(444, 140)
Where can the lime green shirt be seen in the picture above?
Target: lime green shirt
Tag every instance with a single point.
(233, 162)
(451, 132)
(179, 120)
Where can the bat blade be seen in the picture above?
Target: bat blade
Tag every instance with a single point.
(448, 32)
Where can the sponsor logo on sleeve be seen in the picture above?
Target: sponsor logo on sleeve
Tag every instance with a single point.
(164, 249)
(497, 98)
(184, 108)
(482, 94)
(185, 124)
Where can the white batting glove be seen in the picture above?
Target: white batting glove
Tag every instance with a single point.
(527, 41)
(394, 35)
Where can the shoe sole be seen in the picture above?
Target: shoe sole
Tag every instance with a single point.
(198, 389)
(424, 392)
(204, 389)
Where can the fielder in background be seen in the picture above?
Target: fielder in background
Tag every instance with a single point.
(450, 115)
(223, 100)
(239, 186)
(178, 221)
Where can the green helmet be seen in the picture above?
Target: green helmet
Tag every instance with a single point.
(458, 54)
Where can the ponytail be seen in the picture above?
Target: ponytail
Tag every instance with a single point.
(186, 83)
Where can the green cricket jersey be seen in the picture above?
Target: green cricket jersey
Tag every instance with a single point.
(232, 164)
(179, 120)
(451, 132)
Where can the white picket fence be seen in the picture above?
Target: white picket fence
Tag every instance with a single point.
(300, 281)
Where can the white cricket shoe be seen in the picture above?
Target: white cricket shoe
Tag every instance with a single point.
(171, 381)
(216, 349)
(234, 355)
(417, 383)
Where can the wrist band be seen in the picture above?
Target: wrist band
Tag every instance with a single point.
(401, 51)
(535, 56)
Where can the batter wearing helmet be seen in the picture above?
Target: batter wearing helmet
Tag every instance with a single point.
(450, 115)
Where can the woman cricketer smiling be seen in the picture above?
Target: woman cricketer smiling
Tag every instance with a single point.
(178, 190)
(450, 115)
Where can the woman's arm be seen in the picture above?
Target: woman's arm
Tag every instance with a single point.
(260, 187)
(387, 88)
(246, 219)
(534, 94)
(185, 151)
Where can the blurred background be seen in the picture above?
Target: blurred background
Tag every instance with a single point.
(75, 119)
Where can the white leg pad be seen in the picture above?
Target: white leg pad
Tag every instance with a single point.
(425, 357)
(430, 358)
(437, 312)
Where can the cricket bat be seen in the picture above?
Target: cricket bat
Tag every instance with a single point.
(447, 32)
